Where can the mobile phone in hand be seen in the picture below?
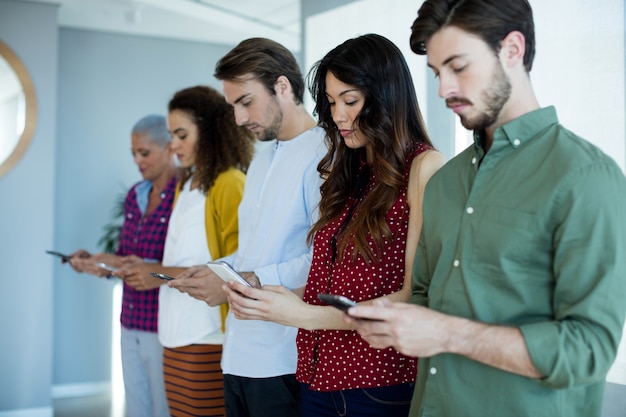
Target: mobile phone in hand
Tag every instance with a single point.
(63, 256)
(106, 266)
(226, 272)
(338, 301)
(161, 276)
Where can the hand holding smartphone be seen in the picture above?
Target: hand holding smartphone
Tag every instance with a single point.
(338, 301)
(63, 256)
(226, 272)
(161, 276)
(106, 266)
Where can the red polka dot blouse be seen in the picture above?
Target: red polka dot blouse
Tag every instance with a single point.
(330, 360)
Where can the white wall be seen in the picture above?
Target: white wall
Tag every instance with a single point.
(26, 223)
(579, 68)
(391, 18)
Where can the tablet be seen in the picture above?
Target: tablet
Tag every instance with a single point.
(226, 272)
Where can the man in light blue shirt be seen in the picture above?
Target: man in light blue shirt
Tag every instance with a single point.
(263, 83)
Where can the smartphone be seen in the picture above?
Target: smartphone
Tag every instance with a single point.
(338, 301)
(59, 254)
(226, 272)
(161, 276)
(106, 266)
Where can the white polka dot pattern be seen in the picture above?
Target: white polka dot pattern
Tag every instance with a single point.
(331, 360)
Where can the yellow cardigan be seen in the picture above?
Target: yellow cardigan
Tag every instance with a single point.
(221, 217)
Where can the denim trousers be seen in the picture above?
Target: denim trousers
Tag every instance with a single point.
(393, 401)
(142, 367)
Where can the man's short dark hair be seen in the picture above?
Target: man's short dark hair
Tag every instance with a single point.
(491, 20)
(266, 60)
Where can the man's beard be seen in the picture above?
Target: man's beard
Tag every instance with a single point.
(494, 97)
(271, 132)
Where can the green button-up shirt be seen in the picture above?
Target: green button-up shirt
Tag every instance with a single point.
(531, 234)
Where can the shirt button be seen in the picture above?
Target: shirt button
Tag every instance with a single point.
(516, 142)
(129, 215)
(469, 210)
(456, 262)
(163, 219)
(162, 195)
(433, 371)
(474, 161)
(130, 305)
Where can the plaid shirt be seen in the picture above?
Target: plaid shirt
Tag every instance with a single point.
(144, 237)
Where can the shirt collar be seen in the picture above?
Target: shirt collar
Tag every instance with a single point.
(520, 130)
(142, 192)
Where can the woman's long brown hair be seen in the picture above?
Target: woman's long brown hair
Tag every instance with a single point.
(390, 121)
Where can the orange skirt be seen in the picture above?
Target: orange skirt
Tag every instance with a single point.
(194, 384)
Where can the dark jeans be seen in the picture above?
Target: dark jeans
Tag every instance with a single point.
(371, 402)
(262, 397)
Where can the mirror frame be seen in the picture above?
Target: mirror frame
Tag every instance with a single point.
(31, 108)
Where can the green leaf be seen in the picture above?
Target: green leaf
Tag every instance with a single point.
(109, 241)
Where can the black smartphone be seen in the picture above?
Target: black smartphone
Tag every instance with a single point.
(161, 276)
(338, 301)
(59, 254)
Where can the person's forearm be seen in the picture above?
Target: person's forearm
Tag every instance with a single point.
(497, 346)
(321, 318)
(403, 295)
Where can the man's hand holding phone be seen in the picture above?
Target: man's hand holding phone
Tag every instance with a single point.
(345, 304)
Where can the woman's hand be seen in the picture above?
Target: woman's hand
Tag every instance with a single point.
(270, 303)
(137, 275)
(201, 283)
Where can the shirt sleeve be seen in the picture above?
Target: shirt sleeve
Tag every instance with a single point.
(226, 195)
(294, 272)
(589, 262)
(420, 277)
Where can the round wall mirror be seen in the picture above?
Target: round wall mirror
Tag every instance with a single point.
(18, 109)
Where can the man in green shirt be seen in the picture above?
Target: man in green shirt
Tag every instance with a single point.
(519, 280)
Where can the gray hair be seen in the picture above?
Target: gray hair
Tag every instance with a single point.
(155, 126)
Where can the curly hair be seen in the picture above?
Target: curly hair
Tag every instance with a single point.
(221, 143)
(391, 123)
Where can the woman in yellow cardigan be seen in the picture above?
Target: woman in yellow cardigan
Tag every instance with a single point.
(213, 153)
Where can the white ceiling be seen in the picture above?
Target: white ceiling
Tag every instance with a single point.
(215, 21)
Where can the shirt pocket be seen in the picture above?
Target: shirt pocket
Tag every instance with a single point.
(505, 241)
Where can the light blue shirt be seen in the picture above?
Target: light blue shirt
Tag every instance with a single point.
(279, 206)
(142, 192)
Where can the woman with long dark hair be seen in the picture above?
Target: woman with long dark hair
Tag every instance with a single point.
(379, 161)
